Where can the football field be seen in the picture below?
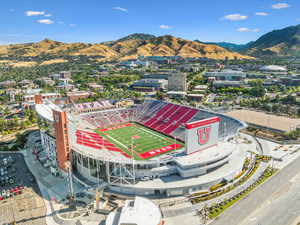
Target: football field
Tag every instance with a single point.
(139, 141)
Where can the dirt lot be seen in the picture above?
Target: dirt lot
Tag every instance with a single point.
(26, 208)
(262, 119)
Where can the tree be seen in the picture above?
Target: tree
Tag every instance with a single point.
(292, 135)
(290, 99)
(20, 140)
(6, 111)
(159, 95)
(258, 91)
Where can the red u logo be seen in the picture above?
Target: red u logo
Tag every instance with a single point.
(203, 135)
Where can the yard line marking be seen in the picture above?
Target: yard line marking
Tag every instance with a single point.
(116, 140)
(137, 154)
(152, 133)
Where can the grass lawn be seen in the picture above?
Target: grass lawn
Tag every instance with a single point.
(145, 140)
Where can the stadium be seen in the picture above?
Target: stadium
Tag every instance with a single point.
(151, 148)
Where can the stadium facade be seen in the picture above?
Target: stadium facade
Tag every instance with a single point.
(153, 148)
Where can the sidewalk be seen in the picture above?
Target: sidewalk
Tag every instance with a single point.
(50, 186)
(57, 187)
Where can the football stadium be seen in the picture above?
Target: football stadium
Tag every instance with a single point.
(149, 148)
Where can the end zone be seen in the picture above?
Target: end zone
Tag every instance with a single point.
(156, 152)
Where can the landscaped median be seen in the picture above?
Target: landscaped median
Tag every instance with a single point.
(214, 192)
(218, 208)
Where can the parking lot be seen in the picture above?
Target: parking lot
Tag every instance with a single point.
(20, 199)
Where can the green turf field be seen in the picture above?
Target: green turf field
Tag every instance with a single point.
(147, 139)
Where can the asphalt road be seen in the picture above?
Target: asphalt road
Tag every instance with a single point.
(275, 202)
(173, 212)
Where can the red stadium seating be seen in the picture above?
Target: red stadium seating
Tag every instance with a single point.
(170, 117)
(181, 118)
(94, 140)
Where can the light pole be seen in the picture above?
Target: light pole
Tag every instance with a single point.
(72, 200)
(133, 170)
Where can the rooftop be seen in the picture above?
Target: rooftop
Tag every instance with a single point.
(45, 110)
(235, 162)
(139, 211)
(273, 68)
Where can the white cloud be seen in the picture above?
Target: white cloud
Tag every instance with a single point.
(120, 9)
(235, 17)
(246, 29)
(72, 25)
(34, 13)
(280, 6)
(48, 15)
(261, 14)
(45, 21)
(166, 27)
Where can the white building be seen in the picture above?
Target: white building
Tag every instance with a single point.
(139, 211)
(230, 75)
(274, 69)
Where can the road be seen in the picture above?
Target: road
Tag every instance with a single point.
(173, 212)
(275, 202)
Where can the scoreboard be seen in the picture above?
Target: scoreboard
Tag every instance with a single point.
(201, 134)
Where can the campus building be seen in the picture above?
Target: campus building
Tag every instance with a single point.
(150, 84)
(177, 82)
(228, 75)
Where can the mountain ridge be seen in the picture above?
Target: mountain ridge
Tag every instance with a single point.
(230, 46)
(280, 42)
(128, 47)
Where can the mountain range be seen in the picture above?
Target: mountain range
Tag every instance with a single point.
(231, 46)
(277, 43)
(284, 42)
(128, 47)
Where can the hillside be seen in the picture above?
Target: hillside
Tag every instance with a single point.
(128, 47)
(230, 46)
(284, 42)
(135, 36)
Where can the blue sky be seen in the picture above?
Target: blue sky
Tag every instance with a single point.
(237, 21)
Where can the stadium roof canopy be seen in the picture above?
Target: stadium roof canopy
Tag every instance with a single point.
(45, 110)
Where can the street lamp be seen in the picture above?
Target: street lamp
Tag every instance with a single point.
(71, 197)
